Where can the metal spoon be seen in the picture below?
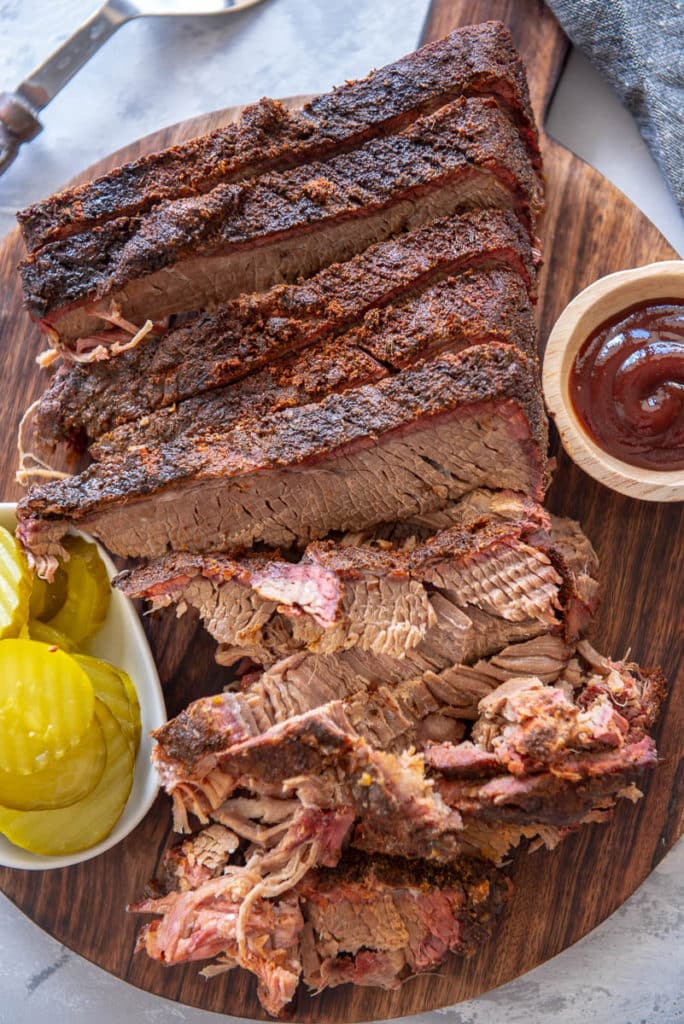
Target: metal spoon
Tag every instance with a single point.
(18, 110)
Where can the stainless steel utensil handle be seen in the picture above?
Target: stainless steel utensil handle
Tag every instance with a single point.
(17, 124)
(53, 74)
(18, 110)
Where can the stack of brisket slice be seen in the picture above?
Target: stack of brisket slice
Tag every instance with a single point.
(300, 353)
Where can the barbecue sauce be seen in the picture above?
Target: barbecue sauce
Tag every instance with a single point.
(627, 385)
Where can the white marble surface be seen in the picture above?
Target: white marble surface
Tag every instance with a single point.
(631, 969)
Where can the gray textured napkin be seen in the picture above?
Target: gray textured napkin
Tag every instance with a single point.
(638, 46)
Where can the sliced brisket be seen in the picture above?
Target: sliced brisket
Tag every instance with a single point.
(387, 714)
(542, 761)
(321, 761)
(395, 601)
(407, 445)
(476, 60)
(450, 317)
(309, 376)
(445, 319)
(575, 558)
(407, 274)
(193, 253)
(456, 635)
(595, 781)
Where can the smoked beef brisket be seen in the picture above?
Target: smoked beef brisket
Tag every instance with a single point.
(341, 473)
(194, 253)
(369, 921)
(478, 308)
(461, 594)
(538, 754)
(432, 707)
(447, 318)
(404, 446)
(541, 761)
(456, 282)
(475, 60)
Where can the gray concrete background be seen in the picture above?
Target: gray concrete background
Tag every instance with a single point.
(630, 970)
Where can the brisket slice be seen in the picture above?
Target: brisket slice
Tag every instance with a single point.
(197, 252)
(317, 760)
(578, 557)
(407, 445)
(597, 781)
(389, 715)
(454, 315)
(368, 921)
(476, 60)
(232, 734)
(390, 600)
(212, 350)
(309, 376)
(435, 661)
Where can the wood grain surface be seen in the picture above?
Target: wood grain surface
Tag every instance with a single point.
(590, 229)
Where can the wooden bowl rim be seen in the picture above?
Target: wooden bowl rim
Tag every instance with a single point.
(597, 303)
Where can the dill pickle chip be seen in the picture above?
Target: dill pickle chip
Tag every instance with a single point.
(47, 598)
(90, 820)
(15, 586)
(109, 688)
(61, 782)
(46, 704)
(45, 634)
(88, 592)
(132, 695)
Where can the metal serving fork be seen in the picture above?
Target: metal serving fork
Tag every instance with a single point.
(18, 110)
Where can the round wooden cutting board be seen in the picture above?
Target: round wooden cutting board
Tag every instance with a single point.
(590, 229)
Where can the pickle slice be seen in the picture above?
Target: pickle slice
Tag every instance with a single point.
(109, 688)
(62, 782)
(46, 705)
(90, 820)
(47, 598)
(88, 592)
(132, 695)
(15, 586)
(48, 635)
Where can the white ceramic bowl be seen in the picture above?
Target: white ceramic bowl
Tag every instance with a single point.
(121, 641)
(599, 302)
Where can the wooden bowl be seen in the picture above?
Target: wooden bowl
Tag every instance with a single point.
(602, 300)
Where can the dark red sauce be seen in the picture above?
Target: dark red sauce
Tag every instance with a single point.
(627, 385)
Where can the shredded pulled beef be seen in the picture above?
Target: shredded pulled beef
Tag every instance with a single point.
(369, 921)
(313, 810)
